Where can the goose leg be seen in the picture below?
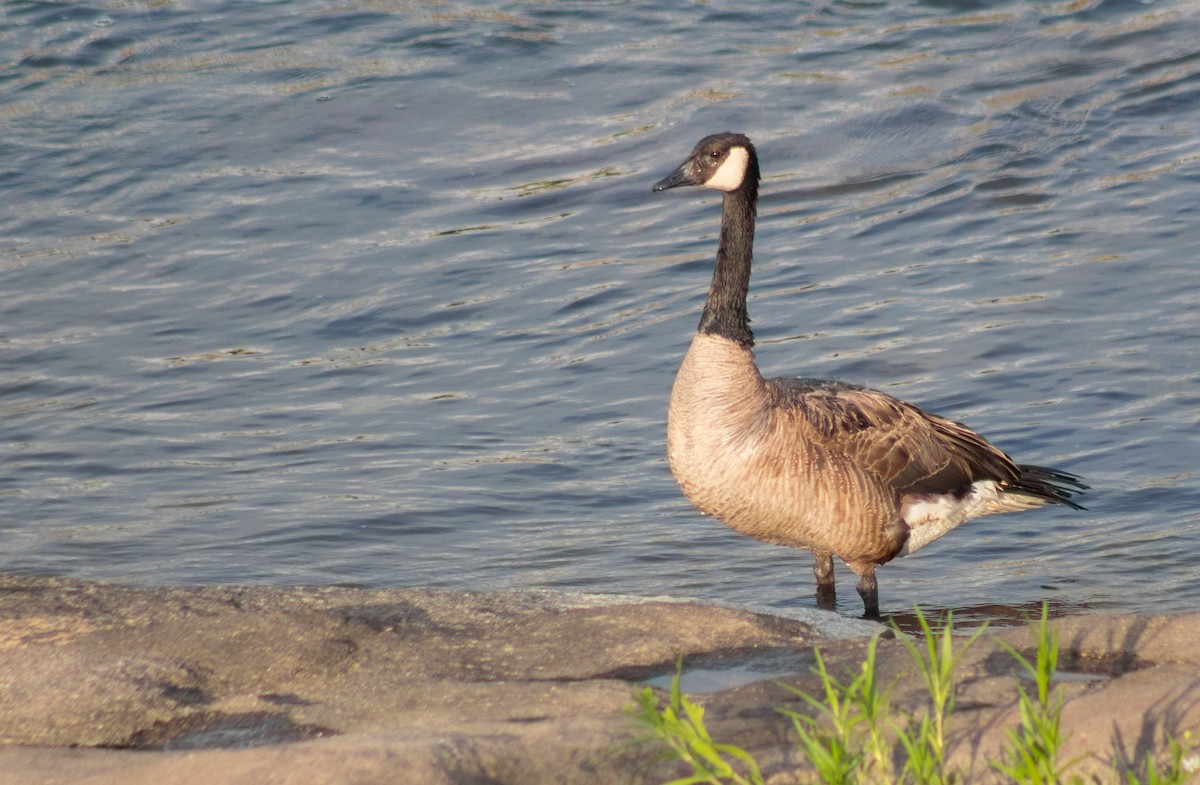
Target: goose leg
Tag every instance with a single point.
(826, 590)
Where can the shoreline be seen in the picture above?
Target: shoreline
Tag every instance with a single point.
(103, 683)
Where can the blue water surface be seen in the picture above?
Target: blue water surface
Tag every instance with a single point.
(377, 293)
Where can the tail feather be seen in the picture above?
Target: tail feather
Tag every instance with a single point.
(1050, 485)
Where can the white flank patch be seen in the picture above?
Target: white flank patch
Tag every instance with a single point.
(932, 516)
(730, 174)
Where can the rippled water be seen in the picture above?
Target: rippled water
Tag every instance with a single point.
(377, 293)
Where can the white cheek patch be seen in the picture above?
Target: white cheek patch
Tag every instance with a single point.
(730, 174)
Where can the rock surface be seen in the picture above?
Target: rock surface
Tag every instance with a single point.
(106, 684)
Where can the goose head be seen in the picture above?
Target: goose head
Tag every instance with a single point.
(721, 161)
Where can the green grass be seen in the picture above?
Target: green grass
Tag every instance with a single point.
(1031, 754)
(679, 726)
(1175, 772)
(855, 735)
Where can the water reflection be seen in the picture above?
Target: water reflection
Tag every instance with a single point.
(966, 620)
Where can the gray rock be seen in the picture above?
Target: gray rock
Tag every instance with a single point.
(101, 683)
(332, 685)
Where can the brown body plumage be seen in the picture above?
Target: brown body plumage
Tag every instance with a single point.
(831, 467)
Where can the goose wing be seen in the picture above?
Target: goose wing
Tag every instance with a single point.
(914, 451)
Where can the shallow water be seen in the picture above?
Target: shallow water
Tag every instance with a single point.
(376, 293)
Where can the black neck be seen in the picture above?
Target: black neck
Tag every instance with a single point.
(725, 309)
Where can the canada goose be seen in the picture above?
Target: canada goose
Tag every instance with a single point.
(834, 468)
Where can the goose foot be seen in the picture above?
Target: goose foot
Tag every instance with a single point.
(826, 597)
(826, 590)
(868, 589)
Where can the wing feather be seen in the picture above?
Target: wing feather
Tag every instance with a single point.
(915, 452)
